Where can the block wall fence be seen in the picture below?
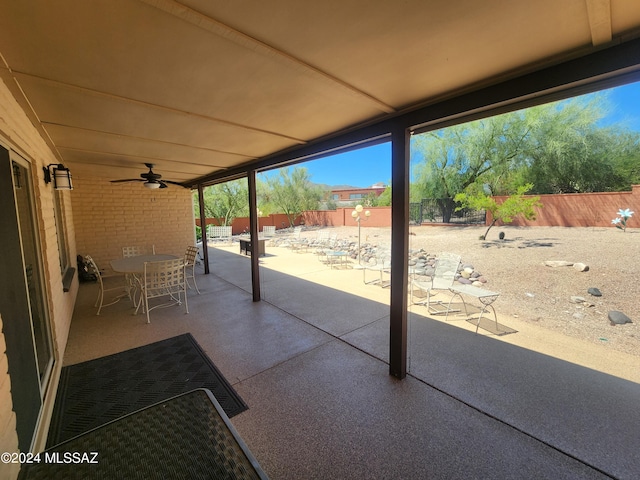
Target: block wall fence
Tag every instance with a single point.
(380, 217)
(582, 209)
(561, 210)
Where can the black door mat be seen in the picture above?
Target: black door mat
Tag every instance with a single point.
(93, 393)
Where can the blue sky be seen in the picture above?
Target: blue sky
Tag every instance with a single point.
(364, 167)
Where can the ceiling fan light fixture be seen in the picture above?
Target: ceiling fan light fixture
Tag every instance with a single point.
(151, 185)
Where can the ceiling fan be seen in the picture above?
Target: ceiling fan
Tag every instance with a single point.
(150, 179)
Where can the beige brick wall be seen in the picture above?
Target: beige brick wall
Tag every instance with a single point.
(109, 216)
(17, 133)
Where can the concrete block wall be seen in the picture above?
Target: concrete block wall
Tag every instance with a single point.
(380, 217)
(109, 216)
(583, 209)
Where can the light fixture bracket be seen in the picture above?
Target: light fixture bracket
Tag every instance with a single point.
(61, 176)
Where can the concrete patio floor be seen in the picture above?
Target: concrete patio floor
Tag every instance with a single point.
(311, 363)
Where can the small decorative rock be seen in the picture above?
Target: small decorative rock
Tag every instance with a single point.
(575, 299)
(581, 267)
(594, 291)
(618, 318)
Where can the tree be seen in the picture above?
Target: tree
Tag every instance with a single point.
(559, 147)
(506, 211)
(574, 153)
(384, 200)
(292, 192)
(226, 201)
(456, 157)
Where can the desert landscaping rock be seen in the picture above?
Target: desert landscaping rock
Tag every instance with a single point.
(581, 267)
(557, 263)
(594, 291)
(517, 268)
(618, 318)
(576, 299)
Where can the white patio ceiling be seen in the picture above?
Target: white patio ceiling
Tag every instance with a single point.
(200, 86)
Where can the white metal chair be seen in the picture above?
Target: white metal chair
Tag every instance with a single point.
(137, 251)
(127, 252)
(444, 275)
(190, 266)
(268, 231)
(94, 270)
(165, 278)
(381, 264)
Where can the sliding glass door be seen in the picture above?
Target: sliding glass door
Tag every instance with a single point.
(22, 301)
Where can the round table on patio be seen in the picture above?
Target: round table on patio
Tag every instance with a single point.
(134, 268)
(135, 264)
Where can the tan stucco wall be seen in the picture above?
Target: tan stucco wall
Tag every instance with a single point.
(109, 216)
(17, 133)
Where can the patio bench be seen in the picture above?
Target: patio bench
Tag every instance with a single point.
(218, 233)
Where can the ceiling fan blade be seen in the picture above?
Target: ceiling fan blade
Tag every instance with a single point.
(162, 184)
(128, 180)
(173, 183)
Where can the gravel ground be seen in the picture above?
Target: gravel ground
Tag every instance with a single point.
(539, 294)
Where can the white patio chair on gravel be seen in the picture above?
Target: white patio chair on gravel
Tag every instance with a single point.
(442, 280)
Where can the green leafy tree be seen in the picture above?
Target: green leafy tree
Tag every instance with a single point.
(384, 200)
(570, 152)
(292, 192)
(225, 201)
(626, 159)
(512, 207)
(456, 157)
(559, 147)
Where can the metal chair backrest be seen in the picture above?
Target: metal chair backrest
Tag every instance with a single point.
(445, 270)
(133, 251)
(190, 255)
(269, 230)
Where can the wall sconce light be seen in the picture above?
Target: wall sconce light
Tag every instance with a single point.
(61, 176)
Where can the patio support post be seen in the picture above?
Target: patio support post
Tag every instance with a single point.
(203, 228)
(400, 143)
(253, 232)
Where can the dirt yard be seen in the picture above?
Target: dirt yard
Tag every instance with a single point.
(539, 294)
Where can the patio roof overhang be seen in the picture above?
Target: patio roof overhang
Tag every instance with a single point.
(206, 90)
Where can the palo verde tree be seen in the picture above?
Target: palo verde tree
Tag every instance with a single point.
(292, 192)
(513, 206)
(559, 147)
(225, 201)
(571, 152)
